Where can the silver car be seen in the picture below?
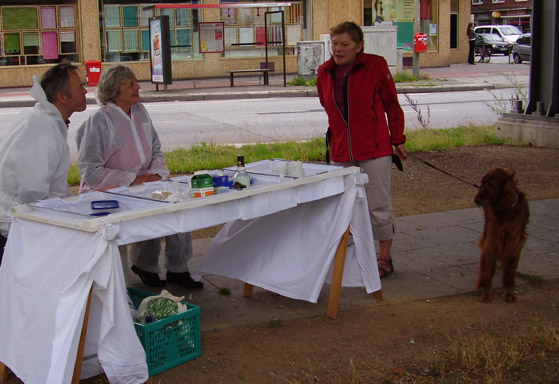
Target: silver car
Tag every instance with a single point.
(522, 49)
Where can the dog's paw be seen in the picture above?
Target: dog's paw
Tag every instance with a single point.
(510, 298)
(486, 297)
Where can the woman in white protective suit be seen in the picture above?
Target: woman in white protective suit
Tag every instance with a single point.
(118, 146)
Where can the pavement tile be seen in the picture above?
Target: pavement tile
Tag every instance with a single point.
(411, 286)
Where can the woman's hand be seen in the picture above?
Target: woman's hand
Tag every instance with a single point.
(401, 151)
(153, 177)
(140, 179)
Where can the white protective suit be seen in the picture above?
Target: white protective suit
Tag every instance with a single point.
(117, 148)
(34, 157)
(113, 149)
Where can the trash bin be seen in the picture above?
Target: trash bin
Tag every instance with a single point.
(93, 69)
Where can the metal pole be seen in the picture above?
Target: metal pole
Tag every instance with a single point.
(283, 46)
(416, 29)
(266, 36)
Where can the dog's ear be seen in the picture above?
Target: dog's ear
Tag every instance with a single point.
(509, 194)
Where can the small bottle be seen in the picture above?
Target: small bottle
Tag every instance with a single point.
(241, 179)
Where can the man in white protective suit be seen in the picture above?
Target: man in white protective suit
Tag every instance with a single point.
(34, 156)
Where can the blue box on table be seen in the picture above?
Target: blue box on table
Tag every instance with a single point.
(171, 341)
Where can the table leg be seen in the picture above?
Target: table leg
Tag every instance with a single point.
(247, 291)
(3, 373)
(81, 345)
(377, 295)
(79, 356)
(337, 275)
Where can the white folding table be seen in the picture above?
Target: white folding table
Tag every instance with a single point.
(287, 235)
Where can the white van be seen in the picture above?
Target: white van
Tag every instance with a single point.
(509, 33)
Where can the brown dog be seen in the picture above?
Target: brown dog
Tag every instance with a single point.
(504, 234)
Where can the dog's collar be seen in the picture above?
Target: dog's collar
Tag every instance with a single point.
(515, 202)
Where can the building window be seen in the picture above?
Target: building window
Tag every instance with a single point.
(245, 29)
(400, 14)
(498, 1)
(429, 18)
(477, 2)
(38, 34)
(125, 30)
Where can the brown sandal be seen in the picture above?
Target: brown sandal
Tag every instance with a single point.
(382, 270)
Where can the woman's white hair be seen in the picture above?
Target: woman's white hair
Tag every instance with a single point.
(109, 84)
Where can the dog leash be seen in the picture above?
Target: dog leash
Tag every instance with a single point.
(441, 170)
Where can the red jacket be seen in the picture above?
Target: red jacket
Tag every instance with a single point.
(370, 97)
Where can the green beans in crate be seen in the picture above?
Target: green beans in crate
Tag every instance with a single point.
(171, 341)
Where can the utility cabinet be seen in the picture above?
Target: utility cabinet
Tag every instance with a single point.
(310, 55)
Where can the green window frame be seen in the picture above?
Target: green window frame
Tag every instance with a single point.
(38, 34)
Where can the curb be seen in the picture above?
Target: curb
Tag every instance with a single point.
(151, 96)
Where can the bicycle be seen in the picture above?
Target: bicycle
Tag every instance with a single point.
(482, 54)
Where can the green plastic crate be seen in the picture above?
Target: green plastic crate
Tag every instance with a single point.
(171, 341)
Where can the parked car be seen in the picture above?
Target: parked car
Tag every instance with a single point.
(522, 49)
(508, 33)
(494, 42)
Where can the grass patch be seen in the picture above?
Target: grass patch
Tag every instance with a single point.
(535, 280)
(214, 156)
(525, 356)
(491, 360)
(406, 76)
(224, 291)
(300, 80)
(439, 139)
(275, 323)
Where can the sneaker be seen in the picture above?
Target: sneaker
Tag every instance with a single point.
(149, 278)
(184, 278)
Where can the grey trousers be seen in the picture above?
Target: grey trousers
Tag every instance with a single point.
(178, 251)
(379, 195)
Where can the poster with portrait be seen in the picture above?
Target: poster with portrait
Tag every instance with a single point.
(160, 50)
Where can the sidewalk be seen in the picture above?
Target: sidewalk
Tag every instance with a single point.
(434, 254)
(457, 77)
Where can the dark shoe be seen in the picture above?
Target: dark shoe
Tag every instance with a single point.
(184, 278)
(148, 278)
(385, 267)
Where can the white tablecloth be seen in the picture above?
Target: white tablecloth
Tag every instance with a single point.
(292, 252)
(281, 236)
(45, 279)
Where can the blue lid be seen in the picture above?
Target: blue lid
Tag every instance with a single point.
(103, 213)
(104, 204)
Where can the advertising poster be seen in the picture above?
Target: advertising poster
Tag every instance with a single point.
(211, 37)
(156, 60)
(160, 50)
(400, 13)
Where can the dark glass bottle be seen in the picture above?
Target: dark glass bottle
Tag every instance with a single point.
(241, 179)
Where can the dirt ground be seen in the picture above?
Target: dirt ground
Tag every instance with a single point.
(399, 343)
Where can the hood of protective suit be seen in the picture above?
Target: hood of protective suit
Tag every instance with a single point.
(40, 96)
(34, 157)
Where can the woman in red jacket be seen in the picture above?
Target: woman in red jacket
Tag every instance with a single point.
(366, 121)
